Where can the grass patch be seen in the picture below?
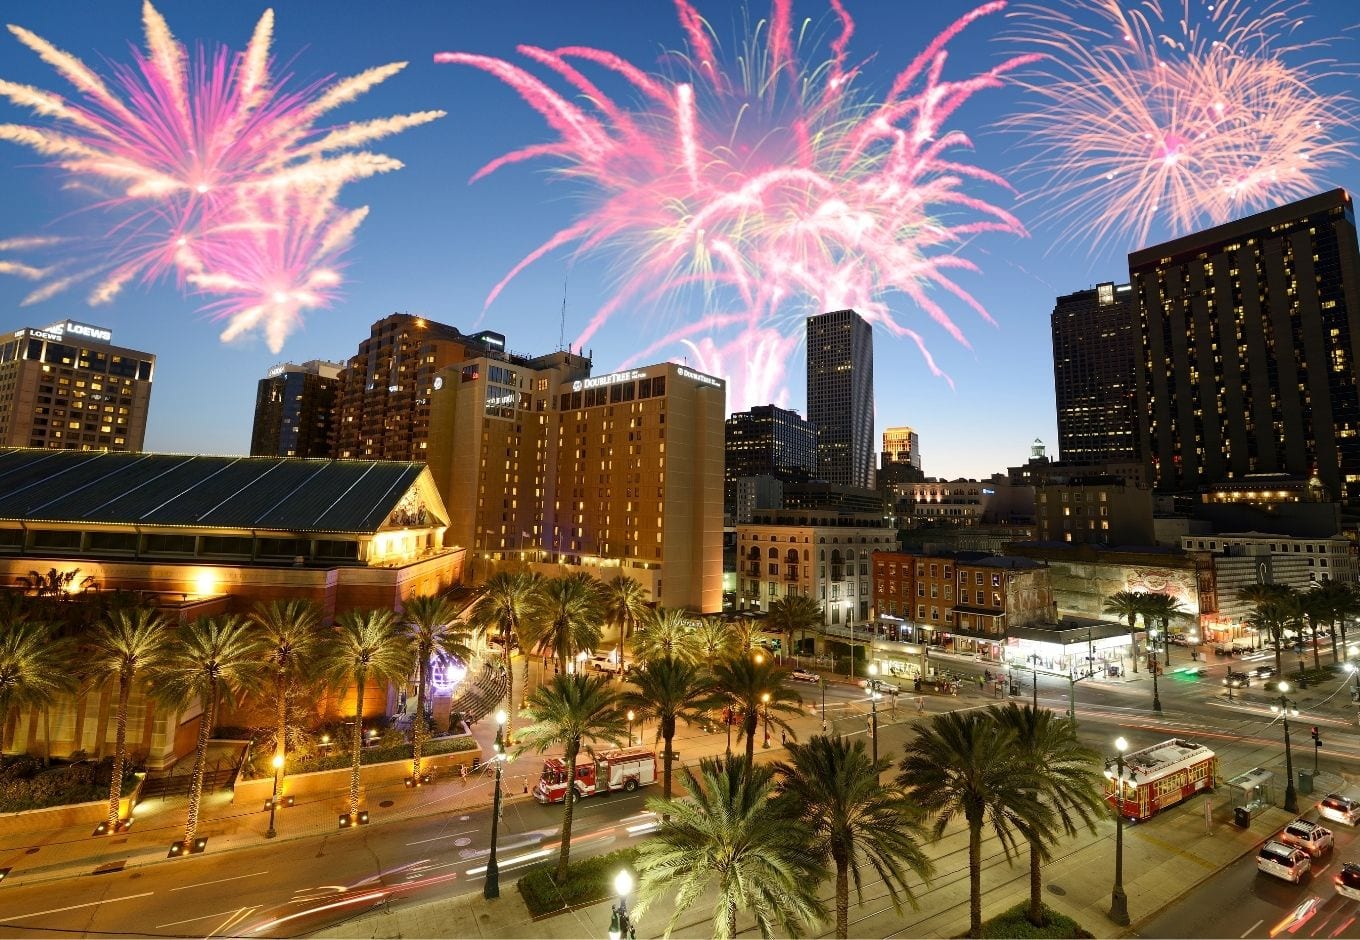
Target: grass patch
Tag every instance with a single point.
(1014, 924)
(588, 881)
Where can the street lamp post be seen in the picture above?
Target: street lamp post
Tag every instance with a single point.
(822, 681)
(492, 887)
(1154, 668)
(271, 832)
(621, 927)
(1034, 679)
(873, 707)
(765, 700)
(631, 716)
(1284, 709)
(1119, 901)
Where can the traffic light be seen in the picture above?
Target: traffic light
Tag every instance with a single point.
(1317, 737)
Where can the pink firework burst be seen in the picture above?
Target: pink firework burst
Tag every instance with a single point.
(182, 154)
(1172, 113)
(772, 186)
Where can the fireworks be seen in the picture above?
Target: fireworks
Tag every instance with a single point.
(207, 171)
(765, 184)
(1173, 115)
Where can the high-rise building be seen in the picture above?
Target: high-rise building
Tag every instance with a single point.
(544, 465)
(767, 441)
(840, 394)
(382, 409)
(1249, 341)
(67, 387)
(1093, 375)
(900, 459)
(295, 410)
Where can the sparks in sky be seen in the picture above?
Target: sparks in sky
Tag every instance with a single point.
(1172, 114)
(205, 170)
(773, 187)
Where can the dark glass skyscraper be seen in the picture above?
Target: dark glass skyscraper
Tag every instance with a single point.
(767, 441)
(1248, 349)
(294, 409)
(840, 394)
(1093, 375)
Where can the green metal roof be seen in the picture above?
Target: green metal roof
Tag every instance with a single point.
(274, 493)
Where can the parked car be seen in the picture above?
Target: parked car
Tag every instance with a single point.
(1309, 836)
(1283, 861)
(1236, 680)
(605, 664)
(1348, 881)
(804, 675)
(1340, 809)
(1263, 672)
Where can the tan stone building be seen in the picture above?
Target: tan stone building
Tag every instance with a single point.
(67, 387)
(543, 464)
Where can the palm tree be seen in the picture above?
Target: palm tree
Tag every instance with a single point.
(967, 763)
(365, 645)
(625, 601)
(856, 818)
(566, 615)
(572, 712)
(507, 598)
(1315, 606)
(744, 633)
(1127, 604)
(1347, 605)
(1164, 608)
(1069, 778)
(210, 660)
(291, 633)
(1274, 606)
(735, 832)
(35, 667)
(130, 641)
(666, 691)
(1333, 598)
(666, 633)
(795, 615)
(437, 634)
(714, 640)
(757, 690)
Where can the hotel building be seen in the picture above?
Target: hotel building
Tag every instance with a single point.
(1094, 379)
(840, 396)
(543, 464)
(1248, 343)
(295, 410)
(382, 409)
(67, 387)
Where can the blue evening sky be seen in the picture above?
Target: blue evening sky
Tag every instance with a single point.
(435, 245)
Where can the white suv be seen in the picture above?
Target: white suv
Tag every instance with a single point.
(1338, 808)
(1283, 861)
(1309, 836)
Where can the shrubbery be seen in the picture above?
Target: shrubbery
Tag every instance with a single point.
(339, 755)
(26, 784)
(1014, 924)
(588, 881)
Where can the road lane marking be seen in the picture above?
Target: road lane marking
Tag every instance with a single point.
(176, 923)
(201, 884)
(1251, 929)
(233, 920)
(72, 907)
(437, 838)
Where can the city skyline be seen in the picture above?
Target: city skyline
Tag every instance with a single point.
(427, 246)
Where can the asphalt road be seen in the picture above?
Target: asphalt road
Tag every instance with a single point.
(291, 888)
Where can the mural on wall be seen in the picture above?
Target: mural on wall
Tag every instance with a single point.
(1179, 583)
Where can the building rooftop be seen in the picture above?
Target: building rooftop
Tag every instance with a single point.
(269, 493)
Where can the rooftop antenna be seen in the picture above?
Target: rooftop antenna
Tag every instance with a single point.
(562, 327)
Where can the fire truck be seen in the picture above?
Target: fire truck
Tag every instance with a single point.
(1159, 776)
(624, 769)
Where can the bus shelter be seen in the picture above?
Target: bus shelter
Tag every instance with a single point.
(1253, 792)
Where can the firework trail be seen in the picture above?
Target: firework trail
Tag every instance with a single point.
(206, 170)
(766, 183)
(1172, 114)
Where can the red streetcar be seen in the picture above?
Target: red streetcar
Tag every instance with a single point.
(1160, 776)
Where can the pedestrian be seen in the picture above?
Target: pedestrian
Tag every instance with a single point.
(783, 739)
(979, 683)
(920, 704)
(988, 674)
(462, 773)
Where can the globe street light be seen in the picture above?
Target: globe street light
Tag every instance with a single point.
(1284, 709)
(1154, 667)
(274, 803)
(492, 887)
(631, 716)
(1119, 901)
(620, 927)
(765, 700)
